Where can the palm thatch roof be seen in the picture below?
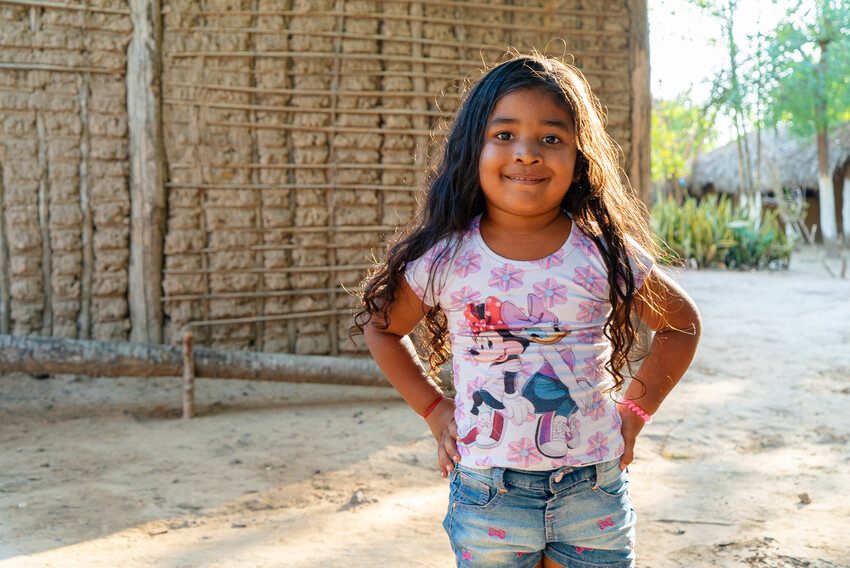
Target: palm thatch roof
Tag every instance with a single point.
(786, 158)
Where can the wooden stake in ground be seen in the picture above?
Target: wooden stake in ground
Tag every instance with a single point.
(188, 377)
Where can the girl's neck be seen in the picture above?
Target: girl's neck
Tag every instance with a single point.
(503, 225)
(524, 238)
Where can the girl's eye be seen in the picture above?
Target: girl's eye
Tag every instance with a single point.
(489, 344)
(503, 135)
(551, 139)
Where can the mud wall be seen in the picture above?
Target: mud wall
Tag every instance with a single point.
(294, 134)
(64, 241)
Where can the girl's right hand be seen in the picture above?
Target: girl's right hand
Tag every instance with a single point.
(441, 421)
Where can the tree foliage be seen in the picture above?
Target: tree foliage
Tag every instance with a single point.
(816, 35)
(680, 130)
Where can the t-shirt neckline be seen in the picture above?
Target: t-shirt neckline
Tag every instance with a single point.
(564, 248)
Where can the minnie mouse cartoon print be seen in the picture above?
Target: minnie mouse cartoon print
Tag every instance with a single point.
(502, 333)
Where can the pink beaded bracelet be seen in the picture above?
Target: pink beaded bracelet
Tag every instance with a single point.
(644, 415)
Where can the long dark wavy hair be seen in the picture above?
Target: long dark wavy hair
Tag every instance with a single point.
(598, 202)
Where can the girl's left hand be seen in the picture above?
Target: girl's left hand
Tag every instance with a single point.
(632, 425)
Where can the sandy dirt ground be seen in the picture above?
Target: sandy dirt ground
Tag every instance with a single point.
(745, 465)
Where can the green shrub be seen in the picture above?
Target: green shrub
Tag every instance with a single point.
(713, 232)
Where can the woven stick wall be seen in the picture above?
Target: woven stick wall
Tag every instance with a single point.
(64, 239)
(294, 135)
(296, 132)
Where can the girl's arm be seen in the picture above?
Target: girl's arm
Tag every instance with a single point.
(668, 310)
(394, 353)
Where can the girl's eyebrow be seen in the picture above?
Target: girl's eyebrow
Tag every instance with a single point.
(500, 120)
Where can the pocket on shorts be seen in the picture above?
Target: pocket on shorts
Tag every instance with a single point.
(614, 483)
(471, 491)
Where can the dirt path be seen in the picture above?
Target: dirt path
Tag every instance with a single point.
(103, 473)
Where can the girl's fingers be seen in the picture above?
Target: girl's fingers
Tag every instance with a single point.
(628, 456)
(444, 462)
(451, 447)
(453, 429)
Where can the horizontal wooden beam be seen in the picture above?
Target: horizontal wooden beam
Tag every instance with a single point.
(121, 359)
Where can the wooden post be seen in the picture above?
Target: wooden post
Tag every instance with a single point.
(147, 188)
(188, 377)
(638, 166)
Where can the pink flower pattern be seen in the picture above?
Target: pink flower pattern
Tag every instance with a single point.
(584, 244)
(596, 408)
(590, 279)
(590, 336)
(468, 263)
(551, 292)
(506, 277)
(524, 453)
(590, 310)
(464, 297)
(460, 410)
(592, 369)
(485, 463)
(567, 461)
(598, 446)
(551, 261)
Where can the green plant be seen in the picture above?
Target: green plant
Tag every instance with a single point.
(714, 232)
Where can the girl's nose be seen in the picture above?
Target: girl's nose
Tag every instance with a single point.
(527, 154)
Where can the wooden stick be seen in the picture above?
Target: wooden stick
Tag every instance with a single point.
(287, 270)
(44, 224)
(327, 110)
(381, 37)
(328, 129)
(690, 522)
(316, 92)
(402, 17)
(63, 6)
(288, 186)
(520, 9)
(241, 295)
(61, 68)
(49, 355)
(323, 55)
(291, 166)
(188, 377)
(281, 317)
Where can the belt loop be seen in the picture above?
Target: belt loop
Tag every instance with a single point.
(498, 474)
(600, 473)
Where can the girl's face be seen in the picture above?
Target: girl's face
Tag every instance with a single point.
(529, 154)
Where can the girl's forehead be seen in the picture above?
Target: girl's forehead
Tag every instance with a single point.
(531, 104)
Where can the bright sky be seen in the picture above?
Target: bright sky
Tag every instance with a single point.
(686, 47)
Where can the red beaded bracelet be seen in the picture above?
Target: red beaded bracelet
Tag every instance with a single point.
(644, 415)
(433, 406)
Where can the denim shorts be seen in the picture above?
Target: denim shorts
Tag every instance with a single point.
(579, 517)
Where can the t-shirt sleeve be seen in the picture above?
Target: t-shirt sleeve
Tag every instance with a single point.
(640, 260)
(417, 272)
(437, 259)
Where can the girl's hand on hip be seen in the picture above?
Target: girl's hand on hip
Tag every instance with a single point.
(441, 421)
(632, 425)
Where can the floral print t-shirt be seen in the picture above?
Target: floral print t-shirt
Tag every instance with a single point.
(528, 350)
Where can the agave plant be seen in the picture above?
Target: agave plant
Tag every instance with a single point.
(714, 232)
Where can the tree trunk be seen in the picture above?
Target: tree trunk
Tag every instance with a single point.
(147, 187)
(826, 193)
(640, 151)
(845, 208)
(121, 359)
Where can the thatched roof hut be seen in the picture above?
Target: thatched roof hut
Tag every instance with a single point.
(791, 159)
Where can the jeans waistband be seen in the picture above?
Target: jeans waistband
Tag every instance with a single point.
(557, 478)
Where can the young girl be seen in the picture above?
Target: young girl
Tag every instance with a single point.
(527, 262)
